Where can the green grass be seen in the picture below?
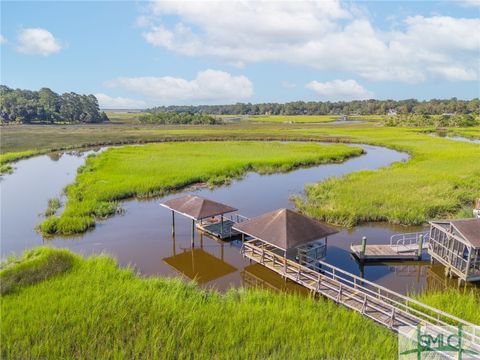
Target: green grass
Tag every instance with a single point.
(96, 310)
(53, 206)
(90, 308)
(156, 169)
(15, 156)
(7, 158)
(464, 305)
(35, 266)
(470, 133)
(440, 180)
(124, 118)
(293, 118)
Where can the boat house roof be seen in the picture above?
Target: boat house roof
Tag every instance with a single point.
(196, 207)
(284, 229)
(468, 229)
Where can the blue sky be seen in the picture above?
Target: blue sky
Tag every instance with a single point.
(137, 54)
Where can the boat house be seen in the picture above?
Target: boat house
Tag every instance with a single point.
(286, 233)
(456, 245)
(206, 215)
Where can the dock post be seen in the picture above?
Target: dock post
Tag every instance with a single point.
(364, 246)
(193, 233)
(420, 247)
(173, 223)
(221, 226)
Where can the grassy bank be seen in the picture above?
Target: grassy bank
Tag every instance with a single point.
(6, 159)
(44, 316)
(465, 305)
(129, 317)
(156, 169)
(441, 180)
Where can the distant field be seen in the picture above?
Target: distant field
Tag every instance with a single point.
(293, 118)
(373, 118)
(124, 118)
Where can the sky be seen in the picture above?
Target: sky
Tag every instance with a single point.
(137, 54)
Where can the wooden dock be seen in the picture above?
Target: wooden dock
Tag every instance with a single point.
(386, 307)
(219, 230)
(386, 252)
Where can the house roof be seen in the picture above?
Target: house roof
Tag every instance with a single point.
(469, 229)
(196, 207)
(284, 228)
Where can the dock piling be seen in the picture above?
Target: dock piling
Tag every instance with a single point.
(420, 246)
(364, 246)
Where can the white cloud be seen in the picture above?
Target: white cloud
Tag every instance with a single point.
(108, 102)
(209, 85)
(326, 35)
(3, 39)
(340, 90)
(37, 41)
(288, 85)
(469, 3)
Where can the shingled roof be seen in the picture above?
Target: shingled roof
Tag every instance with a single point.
(196, 207)
(468, 229)
(284, 228)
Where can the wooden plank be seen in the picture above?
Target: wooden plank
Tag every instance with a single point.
(383, 252)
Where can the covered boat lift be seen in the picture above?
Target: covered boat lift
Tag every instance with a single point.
(198, 209)
(456, 245)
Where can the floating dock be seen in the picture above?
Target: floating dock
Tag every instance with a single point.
(388, 308)
(387, 252)
(220, 229)
(402, 247)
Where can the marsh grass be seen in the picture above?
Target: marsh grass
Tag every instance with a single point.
(156, 169)
(292, 118)
(463, 304)
(440, 180)
(53, 205)
(7, 158)
(36, 265)
(96, 310)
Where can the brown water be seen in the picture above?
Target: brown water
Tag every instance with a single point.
(141, 236)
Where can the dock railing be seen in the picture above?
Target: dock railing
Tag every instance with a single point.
(408, 241)
(385, 306)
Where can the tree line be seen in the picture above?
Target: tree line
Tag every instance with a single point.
(357, 107)
(437, 121)
(46, 106)
(178, 118)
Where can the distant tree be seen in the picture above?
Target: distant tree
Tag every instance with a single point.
(46, 106)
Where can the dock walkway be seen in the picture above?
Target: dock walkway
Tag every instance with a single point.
(402, 247)
(380, 304)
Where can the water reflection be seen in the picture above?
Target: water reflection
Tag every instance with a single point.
(141, 236)
(198, 264)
